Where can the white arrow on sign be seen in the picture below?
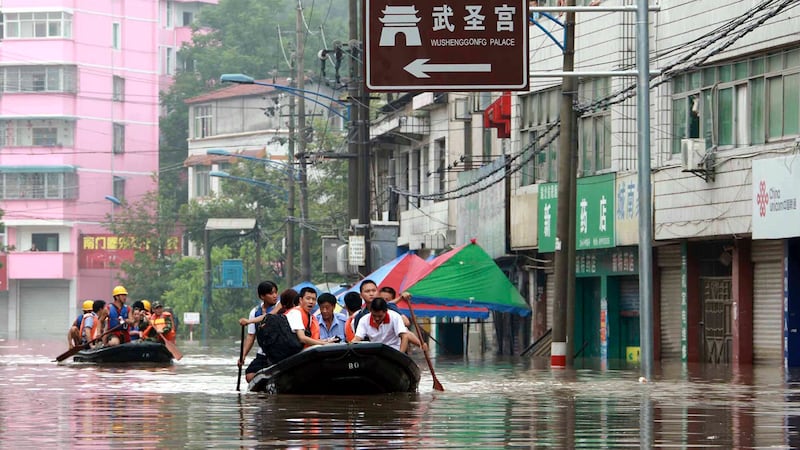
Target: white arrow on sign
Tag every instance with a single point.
(420, 69)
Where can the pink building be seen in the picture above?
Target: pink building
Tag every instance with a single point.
(79, 113)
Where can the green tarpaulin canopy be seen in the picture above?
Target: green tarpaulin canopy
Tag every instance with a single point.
(467, 276)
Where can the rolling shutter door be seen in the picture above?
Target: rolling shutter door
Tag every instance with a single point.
(767, 301)
(669, 262)
(551, 298)
(44, 310)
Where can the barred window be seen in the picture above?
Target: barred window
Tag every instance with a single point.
(37, 133)
(38, 79)
(38, 185)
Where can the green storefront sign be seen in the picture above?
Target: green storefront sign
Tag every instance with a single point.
(594, 219)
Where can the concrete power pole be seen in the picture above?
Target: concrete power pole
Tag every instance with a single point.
(290, 276)
(564, 270)
(352, 143)
(300, 135)
(359, 138)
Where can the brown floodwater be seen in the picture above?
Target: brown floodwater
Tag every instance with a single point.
(488, 403)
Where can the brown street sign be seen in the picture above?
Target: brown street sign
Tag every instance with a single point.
(446, 45)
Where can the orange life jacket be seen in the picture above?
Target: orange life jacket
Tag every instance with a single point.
(313, 327)
(95, 326)
(349, 333)
(158, 323)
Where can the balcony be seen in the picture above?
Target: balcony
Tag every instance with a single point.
(411, 126)
(41, 265)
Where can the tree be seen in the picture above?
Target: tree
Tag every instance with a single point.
(149, 226)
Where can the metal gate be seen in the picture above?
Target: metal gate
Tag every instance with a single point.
(669, 263)
(768, 319)
(717, 320)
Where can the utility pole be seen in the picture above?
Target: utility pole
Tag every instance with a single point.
(359, 138)
(564, 270)
(300, 134)
(290, 174)
(352, 144)
(645, 191)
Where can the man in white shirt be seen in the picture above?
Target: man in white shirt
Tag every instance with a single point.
(383, 326)
(268, 294)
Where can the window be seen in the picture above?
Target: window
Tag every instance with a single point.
(594, 129)
(44, 136)
(119, 138)
(36, 133)
(37, 25)
(441, 164)
(119, 188)
(202, 181)
(170, 12)
(539, 111)
(38, 78)
(753, 101)
(44, 242)
(188, 18)
(119, 89)
(168, 61)
(203, 121)
(38, 185)
(116, 36)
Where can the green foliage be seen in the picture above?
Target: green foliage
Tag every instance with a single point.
(186, 291)
(150, 226)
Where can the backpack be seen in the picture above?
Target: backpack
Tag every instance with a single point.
(276, 338)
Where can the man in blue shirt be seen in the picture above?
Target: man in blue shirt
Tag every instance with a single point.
(331, 324)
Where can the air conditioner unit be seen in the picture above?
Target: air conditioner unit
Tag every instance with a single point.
(693, 152)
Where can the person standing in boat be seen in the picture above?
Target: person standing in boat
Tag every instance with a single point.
(74, 333)
(384, 326)
(91, 325)
(331, 324)
(303, 323)
(268, 294)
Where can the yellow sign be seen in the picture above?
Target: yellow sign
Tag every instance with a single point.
(632, 354)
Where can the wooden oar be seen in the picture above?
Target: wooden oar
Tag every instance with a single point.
(241, 355)
(78, 348)
(170, 346)
(436, 385)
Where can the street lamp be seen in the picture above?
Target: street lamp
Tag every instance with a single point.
(285, 168)
(292, 176)
(264, 184)
(303, 95)
(241, 78)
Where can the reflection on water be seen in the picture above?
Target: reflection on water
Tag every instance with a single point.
(488, 403)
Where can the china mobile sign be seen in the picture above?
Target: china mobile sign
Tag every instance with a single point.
(446, 45)
(776, 190)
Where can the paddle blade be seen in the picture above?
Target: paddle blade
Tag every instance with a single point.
(71, 352)
(171, 347)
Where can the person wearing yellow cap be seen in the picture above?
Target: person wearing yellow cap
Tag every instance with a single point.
(74, 333)
(118, 316)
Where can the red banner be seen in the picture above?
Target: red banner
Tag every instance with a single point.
(3, 272)
(106, 251)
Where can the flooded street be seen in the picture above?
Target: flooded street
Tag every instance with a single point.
(489, 403)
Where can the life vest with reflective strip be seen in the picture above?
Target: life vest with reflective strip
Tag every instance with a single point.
(158, 323)
(93, 331)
